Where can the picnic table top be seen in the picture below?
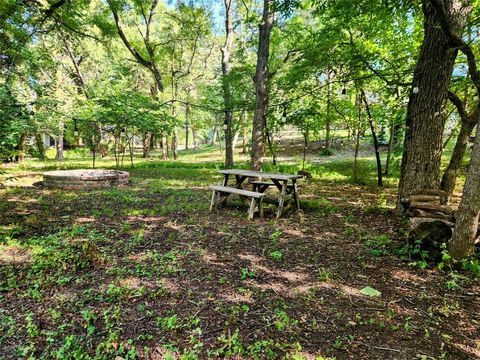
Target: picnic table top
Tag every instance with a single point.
(260, 174)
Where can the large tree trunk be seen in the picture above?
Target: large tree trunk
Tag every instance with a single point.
(466, 225)
(227, 93)
(426, 108)
(261, 85)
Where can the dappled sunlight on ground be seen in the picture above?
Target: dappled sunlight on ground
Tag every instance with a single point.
(13, 255)
(148, 267)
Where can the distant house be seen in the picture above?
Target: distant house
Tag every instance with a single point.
(48, 140)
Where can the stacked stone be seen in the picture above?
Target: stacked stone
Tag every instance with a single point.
(84, 178)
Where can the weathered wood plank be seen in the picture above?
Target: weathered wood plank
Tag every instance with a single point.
(259, 174)
(230, 190)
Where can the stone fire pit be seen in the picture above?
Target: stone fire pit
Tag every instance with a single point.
(84, 178)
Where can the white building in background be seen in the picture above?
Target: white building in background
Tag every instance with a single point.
(48, 140)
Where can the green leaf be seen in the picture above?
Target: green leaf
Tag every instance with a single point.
(369, 291)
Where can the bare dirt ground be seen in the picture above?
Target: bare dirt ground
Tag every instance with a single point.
(146, 271)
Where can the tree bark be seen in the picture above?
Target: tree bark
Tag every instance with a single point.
(261, 85)
(426, 107)
(227, 93)
(466, 225)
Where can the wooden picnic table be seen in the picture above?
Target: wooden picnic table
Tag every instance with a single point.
(281, 181)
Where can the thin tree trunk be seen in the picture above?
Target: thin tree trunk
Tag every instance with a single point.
(227, 93)
(130, 148)
(235, 139)
(167, 154)
(358, 102)
(390, 148)
(59, 142)
(146, 144)
(329, 104)
(214, 136)
(261, 85)
(40, 145)
(195, 138)
(305, 147)
(152, 141)
(79, 79)
(244, 141)
(21, 146)
(175, 144)
(426, 107)
(468, 122)
(375, 139)
(187, 124)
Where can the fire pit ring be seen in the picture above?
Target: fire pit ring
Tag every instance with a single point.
(84, 178)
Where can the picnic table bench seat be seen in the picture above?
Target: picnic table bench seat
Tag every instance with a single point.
(256, 197)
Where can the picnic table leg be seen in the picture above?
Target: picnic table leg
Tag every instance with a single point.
(222, 198)
(260, 207)
(295, 194)
(251, 211)
(225, 180)
(212, 204)
(239, 181)
(281, 199)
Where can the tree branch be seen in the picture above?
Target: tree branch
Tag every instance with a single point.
(457, 42)
(455, 100)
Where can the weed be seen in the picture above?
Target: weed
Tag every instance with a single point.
(276, 255)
